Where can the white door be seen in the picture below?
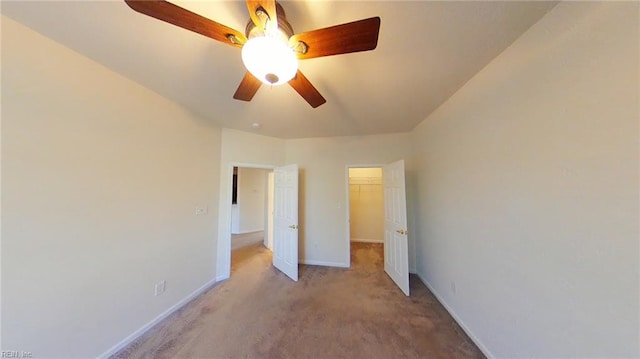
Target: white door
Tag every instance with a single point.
(396, 248)
(285, 218)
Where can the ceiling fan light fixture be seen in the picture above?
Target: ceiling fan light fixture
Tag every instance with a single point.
(269, 59)
(270, 47)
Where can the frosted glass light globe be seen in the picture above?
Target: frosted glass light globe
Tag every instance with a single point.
(270, 60)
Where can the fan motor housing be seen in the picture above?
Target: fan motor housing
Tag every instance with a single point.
(284, 28)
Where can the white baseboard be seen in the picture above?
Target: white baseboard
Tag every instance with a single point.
(487, 353)
(248, 231)
(135, 335)
(323, 263)
(365, 240)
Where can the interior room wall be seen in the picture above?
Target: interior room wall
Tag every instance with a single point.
(235, 219)
(101, 180)
(251, 199)
(240, 148)
(528, 191)
(324, 188)
(366, 205)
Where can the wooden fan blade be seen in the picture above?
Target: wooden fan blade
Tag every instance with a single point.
(248, 87)
(269, 6)
(168, 12)
(306, 90)
(355, 36)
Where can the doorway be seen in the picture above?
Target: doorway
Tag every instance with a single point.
(366, 205)
(251, 213)
(376, 201)
(366, 215)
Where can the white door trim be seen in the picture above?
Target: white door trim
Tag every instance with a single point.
(223, 256)
(268, 235)
(347, 208)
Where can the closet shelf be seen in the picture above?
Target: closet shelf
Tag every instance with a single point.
(365, 180)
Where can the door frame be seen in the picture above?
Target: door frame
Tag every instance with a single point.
(347, 208)
(268, 238)
(224, 255)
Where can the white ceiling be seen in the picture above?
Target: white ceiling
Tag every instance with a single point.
(426, 51)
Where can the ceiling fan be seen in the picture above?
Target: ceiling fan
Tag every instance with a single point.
(270, 48)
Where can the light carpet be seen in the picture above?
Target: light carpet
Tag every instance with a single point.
(330, 313)
(245, 239)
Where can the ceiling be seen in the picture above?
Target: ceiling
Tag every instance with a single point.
(426, 52)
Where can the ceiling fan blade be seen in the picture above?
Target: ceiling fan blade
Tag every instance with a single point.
(355, 36)
(173, 14)
(269, 6)
(248, 87)
(306, 90)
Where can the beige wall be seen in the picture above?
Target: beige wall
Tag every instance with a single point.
(323, 191)
(528, 190)
(252, 185)
(101, 178)
(323, 162)
(524, 189)
(366, 205)
(374, 173)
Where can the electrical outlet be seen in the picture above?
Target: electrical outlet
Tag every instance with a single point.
(160, 287)
(202, 210)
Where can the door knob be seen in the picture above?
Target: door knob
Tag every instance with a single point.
(402, 231)
(293, 226)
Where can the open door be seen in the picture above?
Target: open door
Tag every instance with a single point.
(396, 247)
(285, 221)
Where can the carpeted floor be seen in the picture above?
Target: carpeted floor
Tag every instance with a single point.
(329, 313)
(245, 239)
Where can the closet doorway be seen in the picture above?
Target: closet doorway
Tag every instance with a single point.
(366, 212)
(377, 212)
